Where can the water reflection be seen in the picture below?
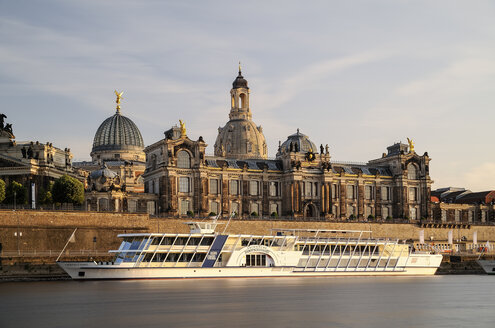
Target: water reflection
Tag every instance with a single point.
(440, 301)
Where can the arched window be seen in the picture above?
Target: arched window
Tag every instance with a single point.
(412, 171)
(242, 100)
(183, 159)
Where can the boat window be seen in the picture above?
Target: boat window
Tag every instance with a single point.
(147, 257)
(207, 241)
(172, 257)
(186, 257)
(135, 243)
(167, 241)
(255, 260)
(156, 241)
(181, 241)
(199, 257)
(128, 257)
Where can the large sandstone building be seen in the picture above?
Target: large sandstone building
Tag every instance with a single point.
(114, 181)
(302, 181)
(33, 164)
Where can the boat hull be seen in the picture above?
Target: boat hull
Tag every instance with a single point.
(488, 266)
(91, 270)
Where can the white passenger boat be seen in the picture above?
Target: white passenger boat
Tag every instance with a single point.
(204, 253)
(487, 265)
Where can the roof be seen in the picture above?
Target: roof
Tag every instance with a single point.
(118, 133)
(250, 164)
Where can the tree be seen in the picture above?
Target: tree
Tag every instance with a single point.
(21, 193)
(2, 190)
(67, 189)
(45, 196)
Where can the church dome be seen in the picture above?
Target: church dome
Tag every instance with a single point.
(242, 139)
(117, 133)
(300, 143)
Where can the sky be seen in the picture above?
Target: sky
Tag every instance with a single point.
(356, 75)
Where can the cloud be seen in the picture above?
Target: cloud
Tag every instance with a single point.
(311, 76)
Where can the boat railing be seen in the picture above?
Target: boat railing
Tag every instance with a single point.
(331, 240)
(54, 253)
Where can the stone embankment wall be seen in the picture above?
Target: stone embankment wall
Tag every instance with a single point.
(45, 231)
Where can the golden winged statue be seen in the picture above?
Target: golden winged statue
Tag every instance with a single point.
(182, 128)
(119, 96)
(411, 145)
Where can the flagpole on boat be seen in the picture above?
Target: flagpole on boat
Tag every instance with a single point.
(67, 243)
(230, 218)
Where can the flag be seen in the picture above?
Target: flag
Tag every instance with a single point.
(451, 237)
(422, 236)
(475, 237)
(72, 238)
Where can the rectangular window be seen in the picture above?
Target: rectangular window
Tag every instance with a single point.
(334, 191)
(273, 209)
(214, 207)
(385, 212)
(307, 189)
(351, 194)
(234, 208)
(255, 209)
(214, 186)
(184, 207)
(413, 213)
(234, 187)
(368, 211)
(254, 188)
(183, 184)
(368, 192)
(385, 193)
(413, 194)
(274, 189)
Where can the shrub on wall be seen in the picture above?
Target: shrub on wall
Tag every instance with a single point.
(2, 190)
(68, 190)
(21, 193)
(45, 197)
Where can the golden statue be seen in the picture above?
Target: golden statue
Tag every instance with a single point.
(182, 128)
(119, 96)
(411, 145)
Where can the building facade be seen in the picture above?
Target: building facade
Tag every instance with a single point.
(459, 205)
(33, 164)
(114, 175)
(302, 180)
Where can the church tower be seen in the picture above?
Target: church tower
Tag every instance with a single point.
(240, 138)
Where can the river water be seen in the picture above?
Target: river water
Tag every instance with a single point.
(438, 301)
